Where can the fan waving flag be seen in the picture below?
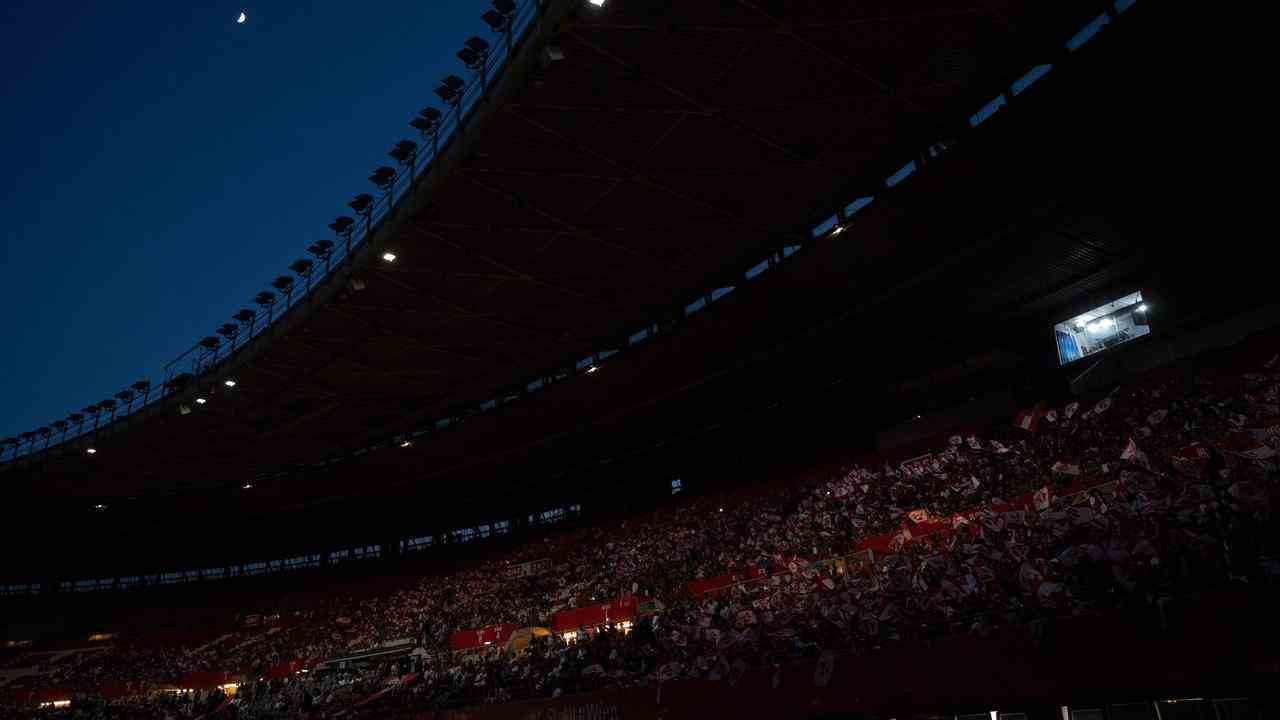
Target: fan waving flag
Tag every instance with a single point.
(1029, 420)
(1066, 467)
(1134, 454)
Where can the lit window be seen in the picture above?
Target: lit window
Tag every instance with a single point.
(1102, 328)
(1032, 75)
(987, 111)
(857, 205)
(720, 292)
(825, 226)
(757, 269)
(901, 174)
(1087, 32)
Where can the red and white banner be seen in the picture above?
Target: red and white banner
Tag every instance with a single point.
(614, 611)
(482, 637)
(528, 569)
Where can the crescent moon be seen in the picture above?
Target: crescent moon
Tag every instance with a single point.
(241, 19)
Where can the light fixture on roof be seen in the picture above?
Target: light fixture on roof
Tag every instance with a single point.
(383, 178)
(474, 52)
(597, 3)
(91, 451)
(201, 401)
(389, 256)
(229, 383)
(1142, 308)
(450, 90)
(284, 284)
(362, 204)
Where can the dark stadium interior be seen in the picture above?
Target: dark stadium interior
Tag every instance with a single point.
(1014, 225)
(667, 150)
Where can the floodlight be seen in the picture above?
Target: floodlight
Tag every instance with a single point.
(593, 368)
(404, 152)
(389, 256)
(383, 178)
(247, 486)
(362, 204)
(201, 401)
(450, 90)
(342, 225)
(496, 21)
(92, 451)
(405, 443)
(597, 3)
(1142, 308)
(304, 268)
(322, 249)
(229, 383)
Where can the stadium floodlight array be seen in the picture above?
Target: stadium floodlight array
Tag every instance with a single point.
(322, 250)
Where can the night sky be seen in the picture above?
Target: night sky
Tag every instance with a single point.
(162, 164)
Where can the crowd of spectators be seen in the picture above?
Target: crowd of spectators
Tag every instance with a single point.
(1153, 490)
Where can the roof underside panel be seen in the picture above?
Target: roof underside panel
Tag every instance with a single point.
(673, 145)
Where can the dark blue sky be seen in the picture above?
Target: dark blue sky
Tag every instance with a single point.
(162, 164)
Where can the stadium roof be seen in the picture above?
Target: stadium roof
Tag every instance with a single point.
(634, 159)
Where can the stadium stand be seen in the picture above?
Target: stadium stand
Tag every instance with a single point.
(1113, 543)
(1150, 494)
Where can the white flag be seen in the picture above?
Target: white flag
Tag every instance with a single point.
(1133, 453)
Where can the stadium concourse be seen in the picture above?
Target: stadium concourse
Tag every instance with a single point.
(1148, 498)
